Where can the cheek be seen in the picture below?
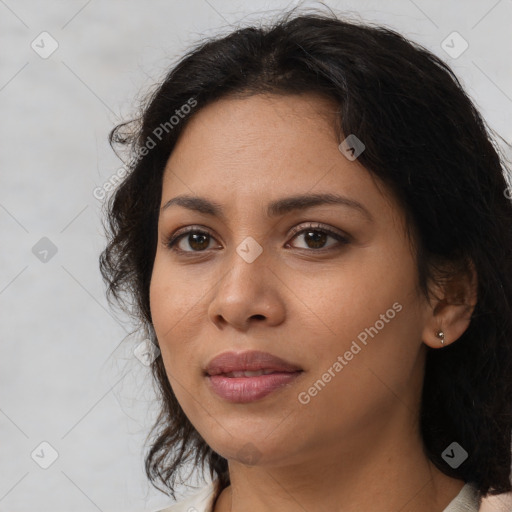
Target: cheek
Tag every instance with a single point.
(370, 316)
(166, 310)
(352, 297)
(179, 309)
(165, 316)
(171, 298)
(372, 376)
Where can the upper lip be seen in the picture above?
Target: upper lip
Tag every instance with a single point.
(251, 360)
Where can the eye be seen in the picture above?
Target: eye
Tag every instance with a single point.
(315, 236)
(197, 239)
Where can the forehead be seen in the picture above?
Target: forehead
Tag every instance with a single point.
(249, 115)
(249, 150)
(259, 134)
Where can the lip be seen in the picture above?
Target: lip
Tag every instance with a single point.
(250, 360)
(249, 389)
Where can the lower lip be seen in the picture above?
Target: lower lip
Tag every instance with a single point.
(249, 389)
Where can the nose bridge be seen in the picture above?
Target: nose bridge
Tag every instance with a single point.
(250, 250)
(247, 235)
(247, 261)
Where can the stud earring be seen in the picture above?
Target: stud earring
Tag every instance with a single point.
(440, 334)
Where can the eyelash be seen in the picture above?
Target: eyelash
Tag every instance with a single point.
(171, 240)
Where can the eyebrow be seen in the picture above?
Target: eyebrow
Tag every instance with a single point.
(274, 209)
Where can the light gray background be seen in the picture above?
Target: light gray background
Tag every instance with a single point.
(66, 376)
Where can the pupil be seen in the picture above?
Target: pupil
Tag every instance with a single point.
(195, 236)
(319, 239)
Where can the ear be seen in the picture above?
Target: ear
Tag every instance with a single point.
(451, 310)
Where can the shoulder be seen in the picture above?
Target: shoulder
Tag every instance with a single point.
(468, 500)
(200, 501)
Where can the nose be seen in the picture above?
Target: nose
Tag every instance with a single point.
(248, 291)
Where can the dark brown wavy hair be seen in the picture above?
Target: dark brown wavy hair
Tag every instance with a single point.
(424, 138)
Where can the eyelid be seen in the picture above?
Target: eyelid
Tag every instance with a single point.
(317, 225)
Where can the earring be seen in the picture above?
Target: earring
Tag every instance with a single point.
(440, 334)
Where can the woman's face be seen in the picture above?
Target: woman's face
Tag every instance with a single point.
(346, 311)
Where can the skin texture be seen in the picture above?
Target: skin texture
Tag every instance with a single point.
(356, 444)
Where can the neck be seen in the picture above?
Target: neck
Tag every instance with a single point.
(382, 470)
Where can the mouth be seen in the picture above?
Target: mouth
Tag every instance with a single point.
(249, 376)
(248, 373)
(248, 389)
(248, 363)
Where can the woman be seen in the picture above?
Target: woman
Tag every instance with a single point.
(315, 233)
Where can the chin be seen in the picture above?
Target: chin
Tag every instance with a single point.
(251, 452)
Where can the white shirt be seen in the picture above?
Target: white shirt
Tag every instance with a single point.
(468, 500)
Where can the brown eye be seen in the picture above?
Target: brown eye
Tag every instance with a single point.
(197, 240)
(315, 237)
